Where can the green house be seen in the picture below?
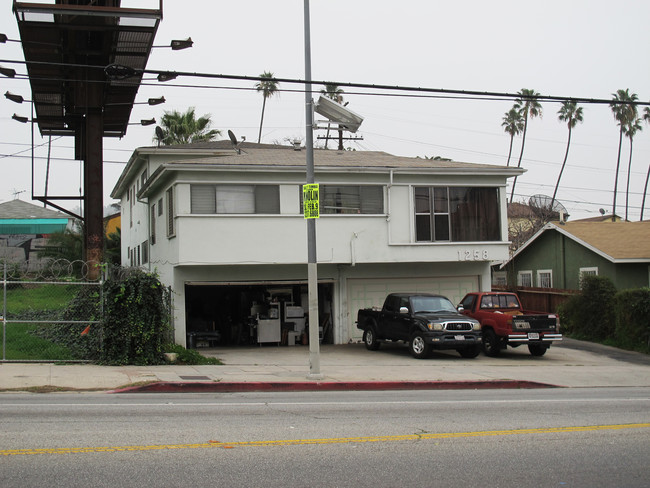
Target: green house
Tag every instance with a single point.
(561, 253)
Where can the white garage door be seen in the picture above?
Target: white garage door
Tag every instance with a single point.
(365, 293)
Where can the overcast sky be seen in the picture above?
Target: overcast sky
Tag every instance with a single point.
(572, 48)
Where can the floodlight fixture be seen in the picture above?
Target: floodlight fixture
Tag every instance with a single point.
(20, 118)
(8, 72)
(3, 38)
(337, 113)
(156, 101)
(177, 44)
(167, 76)
(144, 122)
(14, 98)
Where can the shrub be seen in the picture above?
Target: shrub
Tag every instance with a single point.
(633, 318)
(189, 356)
(136, 318)
(591, 314)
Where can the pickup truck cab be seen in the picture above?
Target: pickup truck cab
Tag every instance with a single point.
(505, 323)
(424, 321)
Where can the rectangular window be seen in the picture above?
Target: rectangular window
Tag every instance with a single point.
(499, 278)
(143, 178)
(170, 212)
(153, 224)
(234, 199)
(458, 214)
(145, 252)
(545, 278)
(350, 199)
(587, 272)
(525, 278)
(160, 207)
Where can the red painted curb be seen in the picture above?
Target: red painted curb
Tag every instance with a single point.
(225, 387)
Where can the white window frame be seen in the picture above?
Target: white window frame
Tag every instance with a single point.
(593, 270)
(541, 272)
(522, 273)
(499, 278)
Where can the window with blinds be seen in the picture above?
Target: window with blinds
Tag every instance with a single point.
(171, 231)
(235, 199)
(350, 199)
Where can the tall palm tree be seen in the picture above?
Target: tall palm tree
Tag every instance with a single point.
(624, 112)
(529, 107)
(513, 124)
(571, 114)
(646, 117)
(333, 92)
(184, 128)
(268, 86)
(630, 131)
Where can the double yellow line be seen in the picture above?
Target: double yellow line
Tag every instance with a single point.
(333, 440)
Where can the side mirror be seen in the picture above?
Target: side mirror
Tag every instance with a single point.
(461, 308)
(403, 310)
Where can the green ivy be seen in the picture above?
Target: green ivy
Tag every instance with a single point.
(136, 319)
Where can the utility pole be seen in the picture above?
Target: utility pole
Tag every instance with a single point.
(312, 266)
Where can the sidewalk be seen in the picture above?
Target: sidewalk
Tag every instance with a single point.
(351, 366)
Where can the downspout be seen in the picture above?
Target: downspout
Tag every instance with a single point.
(353, 254)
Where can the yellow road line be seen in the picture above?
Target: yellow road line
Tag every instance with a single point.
(333, 440)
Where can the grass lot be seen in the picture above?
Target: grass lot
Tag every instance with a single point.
(34, 302)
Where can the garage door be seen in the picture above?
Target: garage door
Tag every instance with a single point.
(364, 293)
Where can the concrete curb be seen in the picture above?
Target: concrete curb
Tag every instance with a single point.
(226, 387)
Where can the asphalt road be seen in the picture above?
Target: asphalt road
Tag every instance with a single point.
(501, 438)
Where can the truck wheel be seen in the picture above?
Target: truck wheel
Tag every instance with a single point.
(370, 339)
(469, 352)
(537, 349)
(418, 347)
(491, 343)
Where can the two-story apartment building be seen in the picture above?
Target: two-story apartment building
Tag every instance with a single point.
(225, 229)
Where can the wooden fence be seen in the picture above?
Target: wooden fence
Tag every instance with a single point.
(540, 299)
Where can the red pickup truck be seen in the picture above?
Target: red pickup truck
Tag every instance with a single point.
(504, 323)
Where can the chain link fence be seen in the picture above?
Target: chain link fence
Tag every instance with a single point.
(50, 312)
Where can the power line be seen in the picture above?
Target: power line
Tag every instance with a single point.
(123, 73)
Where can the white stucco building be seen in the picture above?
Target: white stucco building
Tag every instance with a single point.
(226, 231)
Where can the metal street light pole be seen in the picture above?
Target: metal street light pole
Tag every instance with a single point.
(312, 267)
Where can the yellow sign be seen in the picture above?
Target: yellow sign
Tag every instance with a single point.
(310, 204)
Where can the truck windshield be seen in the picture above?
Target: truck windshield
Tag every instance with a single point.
(431, 304)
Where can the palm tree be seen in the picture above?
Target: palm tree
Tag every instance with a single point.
(333, 92)
(624, 112)
(529, 107)
(184, 128)
(646, 117)
(571, 114)
(513, 124)
(630, 131)
(268, 86)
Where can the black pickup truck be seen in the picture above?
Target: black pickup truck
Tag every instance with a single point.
(425, 321)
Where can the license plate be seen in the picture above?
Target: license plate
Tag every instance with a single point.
(459, 337)
(533, 335)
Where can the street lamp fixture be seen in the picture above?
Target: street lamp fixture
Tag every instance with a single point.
(3, 38)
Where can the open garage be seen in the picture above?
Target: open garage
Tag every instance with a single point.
(239, 314)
